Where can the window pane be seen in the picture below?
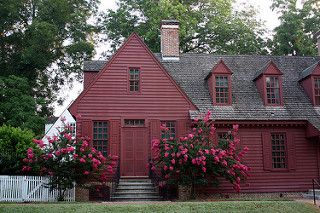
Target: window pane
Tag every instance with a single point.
(273, 90)
(278, 141)
(134, 122)
(134, 78)
(100, 136)
(222, 89)
(317, 91)
(171, 126)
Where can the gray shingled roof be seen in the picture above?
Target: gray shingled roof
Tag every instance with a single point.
(308, 71)
(191, 70)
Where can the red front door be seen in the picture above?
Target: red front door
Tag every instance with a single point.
(134, 152)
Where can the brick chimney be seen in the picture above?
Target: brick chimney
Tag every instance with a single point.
(170, 40)
(317, 36)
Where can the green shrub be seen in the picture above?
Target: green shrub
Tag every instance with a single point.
(13, 145)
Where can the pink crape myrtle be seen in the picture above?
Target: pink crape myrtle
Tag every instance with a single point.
(68, 161)
(199, 158)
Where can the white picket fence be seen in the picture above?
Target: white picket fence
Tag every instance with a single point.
(29, 189)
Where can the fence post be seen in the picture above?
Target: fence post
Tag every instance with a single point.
(24, 188)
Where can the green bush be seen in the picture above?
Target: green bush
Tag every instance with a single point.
(13, 145)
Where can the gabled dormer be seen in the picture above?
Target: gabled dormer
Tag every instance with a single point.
(269, 83)
(219, 83)
(310, 80)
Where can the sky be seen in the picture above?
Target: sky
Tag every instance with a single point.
(265, 14)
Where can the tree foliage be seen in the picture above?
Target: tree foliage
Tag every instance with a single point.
(205, 26)
(294, 36)
(45, 41)
(17, 107)
(14, 143)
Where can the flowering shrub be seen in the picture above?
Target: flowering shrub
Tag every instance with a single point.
(68, 161)
(199, 158)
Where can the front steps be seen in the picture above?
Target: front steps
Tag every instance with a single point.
(135, 189)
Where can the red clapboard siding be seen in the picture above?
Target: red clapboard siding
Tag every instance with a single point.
(302, 163)
(108, 96)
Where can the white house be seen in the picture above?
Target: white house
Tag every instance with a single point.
(53, 129)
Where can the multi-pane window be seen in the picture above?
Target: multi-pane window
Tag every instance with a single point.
(223, 135)
(317, 91)
(171, 129)
(278, 142)
(100, 136)
(134, 122)
(134, 79)
(273, 90)
(73, 129)
(222, 89)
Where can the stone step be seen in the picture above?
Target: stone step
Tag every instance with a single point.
(131, 189)
(135, 193)
(134, 198)
(126, 180)
(134, 184)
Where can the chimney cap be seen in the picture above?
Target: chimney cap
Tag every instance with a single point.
(170, 22)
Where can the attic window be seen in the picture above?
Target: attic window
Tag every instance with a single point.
(222, 90)
(273, 90)
(134, 79)
(317, 90)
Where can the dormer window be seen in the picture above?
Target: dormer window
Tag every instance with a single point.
(317, 91)
(273, 90)
(222, 90)
(269, 83)
(310, 81)
(219, 83)
(134, 79)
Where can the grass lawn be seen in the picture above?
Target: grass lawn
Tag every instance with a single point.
(183, 207)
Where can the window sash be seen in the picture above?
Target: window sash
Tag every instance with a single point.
(222, 89)
(134, 79)
(273, 90)
(171, 125)
(134, 122)
(317, 91)
(279, 150)
(101, 136)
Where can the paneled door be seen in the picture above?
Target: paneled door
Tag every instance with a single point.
(134, 151)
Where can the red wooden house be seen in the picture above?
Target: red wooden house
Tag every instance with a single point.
(274, 99)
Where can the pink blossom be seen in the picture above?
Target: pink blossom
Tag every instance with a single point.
(235, 127)
(166, 154)
(165, 168)
(216, 159)
(171, 168)
(190, 136)
(90, 155)
(224, 163)
(86, 172)
(49, 155)
(194, 161)
(178, 154)
(173, 154)
(204, 169)
(81, 149)
(153, 168)
(82, 160)
(57, 153)
(75, 155)
(173, 161)
(67, 136)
